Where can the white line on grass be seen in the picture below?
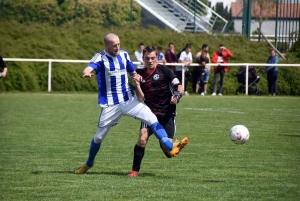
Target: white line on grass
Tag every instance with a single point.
(214, 110)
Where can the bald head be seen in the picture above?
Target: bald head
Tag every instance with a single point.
(110, 37)
(112, 44)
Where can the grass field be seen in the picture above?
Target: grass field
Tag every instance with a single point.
(44, 137)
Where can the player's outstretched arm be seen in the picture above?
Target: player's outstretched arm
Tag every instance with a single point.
(87, 72)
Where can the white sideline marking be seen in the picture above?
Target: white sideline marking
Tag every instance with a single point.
(214, 110)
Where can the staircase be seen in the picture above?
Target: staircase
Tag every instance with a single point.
(185, 15)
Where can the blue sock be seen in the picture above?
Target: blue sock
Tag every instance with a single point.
(94, 148)
(161, 134)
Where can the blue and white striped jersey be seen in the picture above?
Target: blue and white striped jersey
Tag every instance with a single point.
(111, 72)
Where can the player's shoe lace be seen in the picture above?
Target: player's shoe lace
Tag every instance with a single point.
(133, 174)
(83, 169)
(178, 145)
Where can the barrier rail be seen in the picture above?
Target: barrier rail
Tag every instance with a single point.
(50, 61)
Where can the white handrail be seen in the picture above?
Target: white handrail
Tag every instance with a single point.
(50, 61)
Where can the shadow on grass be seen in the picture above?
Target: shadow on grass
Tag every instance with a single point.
(93, 173)
(291, 135)
(213, 181)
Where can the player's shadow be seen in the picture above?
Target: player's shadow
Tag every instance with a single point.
(93, 173)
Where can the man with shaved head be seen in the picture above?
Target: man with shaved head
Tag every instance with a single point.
(116, 98)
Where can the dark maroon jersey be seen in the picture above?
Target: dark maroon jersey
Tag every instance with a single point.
(157, 87)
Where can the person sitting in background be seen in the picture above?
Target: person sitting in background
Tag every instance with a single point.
(272, 72)
(219, 57)
(139, 55)
(171, 56)
(3, 68)
(160, 55)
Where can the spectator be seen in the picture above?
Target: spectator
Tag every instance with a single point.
(139, 55)
(198, 73)
(171, 56)
(219, 57)
(186, 58)
(207, 68)
(160, 55)
(3, 68)
(272, 72)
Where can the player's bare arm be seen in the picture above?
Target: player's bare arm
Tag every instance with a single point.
(87, 72)
(139, 93)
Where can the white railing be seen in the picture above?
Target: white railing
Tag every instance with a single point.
(50, 61)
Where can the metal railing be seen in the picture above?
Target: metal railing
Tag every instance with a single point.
(50, 61)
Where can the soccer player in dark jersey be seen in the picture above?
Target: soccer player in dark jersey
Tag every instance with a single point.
(160, 89)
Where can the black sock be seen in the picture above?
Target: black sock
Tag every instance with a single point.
(138, 157)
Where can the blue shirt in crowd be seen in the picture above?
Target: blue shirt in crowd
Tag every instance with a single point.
(272, 60)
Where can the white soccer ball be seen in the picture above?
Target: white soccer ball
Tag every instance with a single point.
(239, 134)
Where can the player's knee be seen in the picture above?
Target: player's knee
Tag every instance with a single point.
(98, 139)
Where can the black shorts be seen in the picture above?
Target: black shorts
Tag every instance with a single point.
(168, 124)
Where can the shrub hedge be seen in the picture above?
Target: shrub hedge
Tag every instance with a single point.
(33, 39)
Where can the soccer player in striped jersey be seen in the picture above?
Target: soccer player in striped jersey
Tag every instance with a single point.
(117, 98)
(160, 90)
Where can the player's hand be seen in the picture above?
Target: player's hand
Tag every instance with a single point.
(3, 74)
(173, 101)
(88, 75)
(137, 79)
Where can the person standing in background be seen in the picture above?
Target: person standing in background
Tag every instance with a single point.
(171, 56)
(199, 72)
(160, 55)
(186, 58)
(139, 55)
(3, 68)
(272, 72)
(207, 68)
(220, 57)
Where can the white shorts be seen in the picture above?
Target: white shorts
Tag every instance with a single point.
(111, 115)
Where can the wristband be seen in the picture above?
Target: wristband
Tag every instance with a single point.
(177, 95)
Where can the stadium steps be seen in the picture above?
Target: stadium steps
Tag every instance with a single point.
(179, 14)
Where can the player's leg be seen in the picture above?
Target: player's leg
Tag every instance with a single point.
(108, 118)
(139, 110)
(139, 149)
(170, 128)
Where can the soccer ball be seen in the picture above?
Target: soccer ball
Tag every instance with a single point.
(239, 134)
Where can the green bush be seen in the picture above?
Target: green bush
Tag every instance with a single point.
(82, 41)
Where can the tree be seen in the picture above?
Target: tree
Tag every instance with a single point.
(224, 12)
(261, 10)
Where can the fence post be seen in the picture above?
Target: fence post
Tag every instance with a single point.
(49, 74)
(183, 76)
(246, 83)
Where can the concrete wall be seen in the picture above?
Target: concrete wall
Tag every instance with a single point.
(268, 26)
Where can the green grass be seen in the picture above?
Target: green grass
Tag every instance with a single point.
(44, 137)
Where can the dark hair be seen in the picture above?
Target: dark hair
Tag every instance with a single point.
(204, 46)
(171, 44)
(188, 45)
(204, 51)
(159, 48)
(221, 45)
(149, 49)
(141, 44)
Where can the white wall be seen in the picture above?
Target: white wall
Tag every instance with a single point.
(268, 26)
